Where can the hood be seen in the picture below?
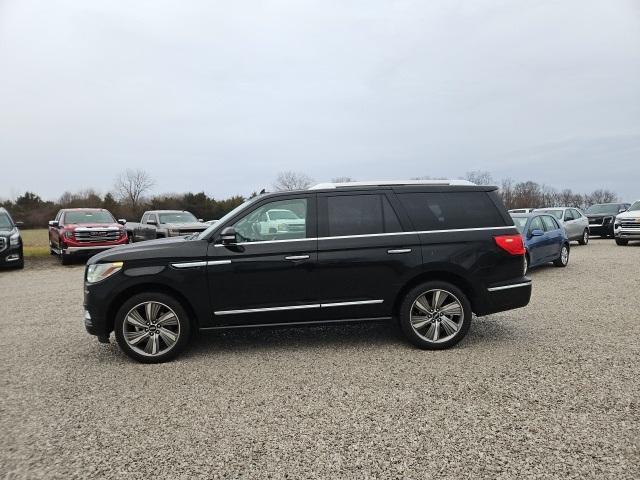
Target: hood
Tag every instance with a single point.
(172, 248)
(185, 226)
(73, 226)
(629, 214)
(8, 230)
(600, 215)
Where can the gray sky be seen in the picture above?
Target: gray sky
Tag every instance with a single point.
(220, 96)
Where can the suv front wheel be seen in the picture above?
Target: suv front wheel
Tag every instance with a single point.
(435, 315)
(152, 327)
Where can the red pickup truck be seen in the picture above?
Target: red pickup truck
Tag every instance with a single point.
(77, 231)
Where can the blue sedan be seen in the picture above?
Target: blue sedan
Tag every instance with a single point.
(544, 239)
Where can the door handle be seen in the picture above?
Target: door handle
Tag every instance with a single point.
(398, 251)
(293, 258)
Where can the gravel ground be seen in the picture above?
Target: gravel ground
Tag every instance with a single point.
(548, 391)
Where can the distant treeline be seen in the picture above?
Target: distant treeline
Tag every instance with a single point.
(36, 212)
(130, 198)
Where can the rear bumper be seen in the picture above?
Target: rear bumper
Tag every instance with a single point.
(503, 296)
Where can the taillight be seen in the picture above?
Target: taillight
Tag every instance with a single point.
(511, 244)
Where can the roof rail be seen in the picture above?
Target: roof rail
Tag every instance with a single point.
(381, 183)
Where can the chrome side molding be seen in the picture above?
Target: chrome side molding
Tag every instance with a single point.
(298, 307)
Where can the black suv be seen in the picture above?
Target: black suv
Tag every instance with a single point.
(10, 241)
(428, 255)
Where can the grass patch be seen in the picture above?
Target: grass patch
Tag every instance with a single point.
(36, 242)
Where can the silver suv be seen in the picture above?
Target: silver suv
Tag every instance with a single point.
(573, 220)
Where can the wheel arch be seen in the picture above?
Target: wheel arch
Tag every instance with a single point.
(442, 275)
(129, 292)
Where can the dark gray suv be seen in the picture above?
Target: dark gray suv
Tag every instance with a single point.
(11, 254)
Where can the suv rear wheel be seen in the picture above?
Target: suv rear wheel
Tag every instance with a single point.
(152, 327)
(435, 315)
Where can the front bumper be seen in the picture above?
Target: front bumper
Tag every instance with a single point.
(627, 234)
(11, 255)
(601, 229)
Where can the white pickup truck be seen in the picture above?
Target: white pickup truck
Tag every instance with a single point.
(626, 226)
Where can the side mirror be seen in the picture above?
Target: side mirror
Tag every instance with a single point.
(228, 236)
(537, 233)
(53, 223)
(200, 220)
(622, 210)
(19, 224)
(122, 221)
(152, 222)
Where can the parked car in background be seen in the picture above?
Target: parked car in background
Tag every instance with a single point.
(521, 210)
(575, 223)
(11, 252)
(545, 240)
(428, 254)
(627, 224)
(601, 217)
(163, 224)
(84, 231)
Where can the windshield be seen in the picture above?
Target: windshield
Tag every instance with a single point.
(5, 223)
(226, 217)
(282, 215)
(177, 217)
(520, 223)
(611, 208)
(635, 206)
(88, 216)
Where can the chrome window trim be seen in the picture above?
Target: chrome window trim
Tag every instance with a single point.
(298, 307)
(507, 287)
(416, 232)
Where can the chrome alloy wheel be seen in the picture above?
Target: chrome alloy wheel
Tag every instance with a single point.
(436, 316)
(151, 328)
(585, 237)
(564, 255)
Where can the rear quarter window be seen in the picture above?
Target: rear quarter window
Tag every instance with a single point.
(451, 210)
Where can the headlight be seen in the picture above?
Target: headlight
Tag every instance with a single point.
(68, 234)
(14, 239)
(99, 271)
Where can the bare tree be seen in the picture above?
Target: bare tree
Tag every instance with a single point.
(600, 196)
(292, 181)
(131, 185)
(479, 177)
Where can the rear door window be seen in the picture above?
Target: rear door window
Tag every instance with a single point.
(360, 215)
(568, 215)
(451, 210)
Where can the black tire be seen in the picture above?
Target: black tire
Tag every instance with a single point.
(20, 264)
(585, 237)
(563, 260)
(622, 242)
(407, 305)
(527, 262)
(65, 259)
(183, 321)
